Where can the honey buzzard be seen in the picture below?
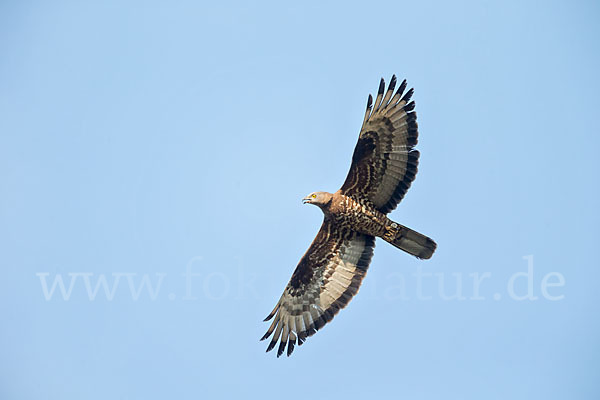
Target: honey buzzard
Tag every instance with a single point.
(384, 164)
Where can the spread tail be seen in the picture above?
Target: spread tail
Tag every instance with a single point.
(410, 241)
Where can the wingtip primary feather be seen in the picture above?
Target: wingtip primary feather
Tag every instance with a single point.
(369, 107)
(281, 348)
(379, 97)
(381, 87)
(402, 86)
(398, 94)
(272, 313)
(408, 95)
(290, 347)
(388, 94)
(270, 347)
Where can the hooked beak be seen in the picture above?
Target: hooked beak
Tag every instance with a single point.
(306, 200)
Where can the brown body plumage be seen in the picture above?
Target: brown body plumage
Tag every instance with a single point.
(384, 164)
(363, 217)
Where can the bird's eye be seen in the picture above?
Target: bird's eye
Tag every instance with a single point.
(313, 196)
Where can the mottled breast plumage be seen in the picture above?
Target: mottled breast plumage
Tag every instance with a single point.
(357, 215)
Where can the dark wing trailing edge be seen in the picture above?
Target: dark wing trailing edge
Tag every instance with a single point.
(327, 277)
(384, 162)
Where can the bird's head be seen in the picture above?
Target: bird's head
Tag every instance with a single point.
(320, 199)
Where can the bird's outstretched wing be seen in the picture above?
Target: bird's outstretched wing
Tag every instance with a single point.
(384, 163)
(325, 280)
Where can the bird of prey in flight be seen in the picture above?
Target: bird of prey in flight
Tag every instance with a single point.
(384, 164)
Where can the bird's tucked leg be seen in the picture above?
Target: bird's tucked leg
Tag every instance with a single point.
(391, 232)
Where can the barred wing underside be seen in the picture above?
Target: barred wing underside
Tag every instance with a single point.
(325, 280)
(384, 163)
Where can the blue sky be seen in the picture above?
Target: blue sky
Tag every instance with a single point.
(163, 149)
